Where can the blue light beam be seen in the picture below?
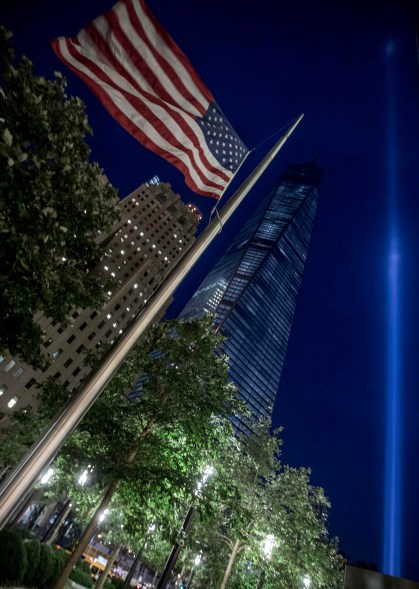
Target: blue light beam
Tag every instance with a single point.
(392, 488)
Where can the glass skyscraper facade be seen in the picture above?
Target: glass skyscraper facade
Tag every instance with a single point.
(253, 288)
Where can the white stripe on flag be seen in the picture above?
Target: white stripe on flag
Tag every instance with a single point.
(120, 102)
(162, 48)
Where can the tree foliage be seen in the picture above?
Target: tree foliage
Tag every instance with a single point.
(53, 205)
(266, 499)
(155, 444)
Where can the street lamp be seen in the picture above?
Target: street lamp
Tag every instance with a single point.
(83, 478)
(180, 540)
(137, 559)
(46, 477)
(268, 546)
(196, 562)
(267, 553)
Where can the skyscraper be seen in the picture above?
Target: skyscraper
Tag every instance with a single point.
(155, 230)
(253, 288)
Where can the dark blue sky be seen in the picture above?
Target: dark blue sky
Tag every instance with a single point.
(266, 62)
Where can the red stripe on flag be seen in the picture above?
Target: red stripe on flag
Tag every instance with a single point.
(149, 86)
(132, 128)
(143, 109)
(166, 67)
(177, 51)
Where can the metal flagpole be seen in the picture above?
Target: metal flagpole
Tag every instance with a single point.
(50, 441)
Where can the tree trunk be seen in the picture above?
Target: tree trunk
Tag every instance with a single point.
(261, 580)
(85, 537)
(54, 530)
(231, 560)
(131, 572)
(111, 560)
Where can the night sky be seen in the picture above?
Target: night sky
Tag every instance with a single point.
(351, 68)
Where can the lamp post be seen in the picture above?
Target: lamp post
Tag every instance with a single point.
(267, 551)
(137, 559)
(197, 562)
(174, 553)
(180, 540)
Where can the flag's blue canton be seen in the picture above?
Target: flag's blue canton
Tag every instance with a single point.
(227, 148)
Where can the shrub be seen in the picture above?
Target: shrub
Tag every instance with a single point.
(117, 583)
(58, 563)
(60, 555)
(33, 551)
(13, 560)
(46, 567)
(80, 577)
(84, 566)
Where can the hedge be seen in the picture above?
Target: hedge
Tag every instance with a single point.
(33, 552)
(33, 564)
(13, 561)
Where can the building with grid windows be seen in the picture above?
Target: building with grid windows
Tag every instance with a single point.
(154, 232)
(253, 288)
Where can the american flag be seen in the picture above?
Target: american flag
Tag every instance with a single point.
(149, 86)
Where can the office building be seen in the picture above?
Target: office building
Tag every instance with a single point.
(253, 288)
(154, 232)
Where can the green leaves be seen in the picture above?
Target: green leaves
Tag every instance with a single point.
(52, 206)
(255, 496)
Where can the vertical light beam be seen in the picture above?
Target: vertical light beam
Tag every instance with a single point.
(392, 504)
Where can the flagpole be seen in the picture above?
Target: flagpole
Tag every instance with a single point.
(52, 438)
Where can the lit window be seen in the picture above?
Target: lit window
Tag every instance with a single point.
(113, 274)
(122, 252)
(129, 221)
(154, 247)
(9, 366)
(106, 267)
(128, 309)
(108, 316)
(142, 233)
(109, 293)
(120, 331)
(3, 388)
(136, 285)
(13, 401)
(115, 324)
(1, 358)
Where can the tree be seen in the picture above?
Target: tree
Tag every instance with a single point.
(263, 499)
(23, 428)
(160, 442)
(54, 204)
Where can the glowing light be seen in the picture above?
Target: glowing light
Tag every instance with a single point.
(47, 476)
(392, 503)
(83, 478)
(268, 546)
